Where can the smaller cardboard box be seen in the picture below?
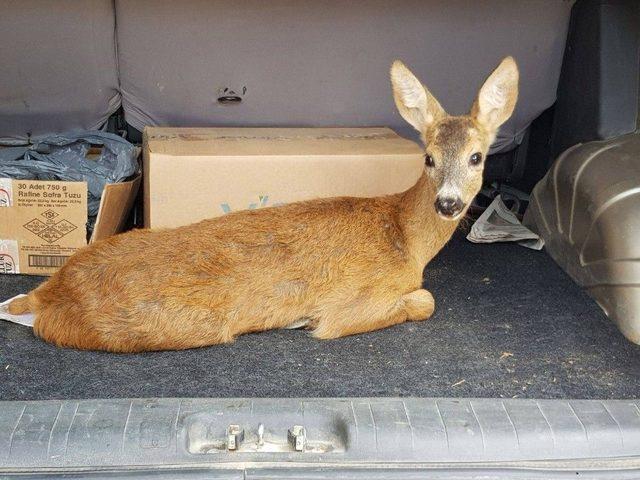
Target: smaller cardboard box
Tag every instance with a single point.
(191, 174)
(42, 223)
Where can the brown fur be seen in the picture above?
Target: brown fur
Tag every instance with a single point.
(348, 265)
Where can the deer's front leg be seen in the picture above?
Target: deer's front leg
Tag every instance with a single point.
(371, 315)
(419, 304)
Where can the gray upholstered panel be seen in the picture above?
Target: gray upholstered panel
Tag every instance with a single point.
(325, 62)
(58, 66)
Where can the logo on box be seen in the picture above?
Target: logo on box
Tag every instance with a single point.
(51, 231)
(9, 256)
(6, 192)
(263, 201)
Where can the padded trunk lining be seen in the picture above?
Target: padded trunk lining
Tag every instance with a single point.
(508, 323)
(59, 67)
(310, 63)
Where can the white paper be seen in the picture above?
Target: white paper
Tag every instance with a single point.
(499, 224)
(26, 319)
(301, 323)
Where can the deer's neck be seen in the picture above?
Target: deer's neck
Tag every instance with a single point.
(425, 232)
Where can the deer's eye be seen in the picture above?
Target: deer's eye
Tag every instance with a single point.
(428, 161)
(475, 159)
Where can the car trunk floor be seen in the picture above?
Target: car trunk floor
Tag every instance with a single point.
(508, 323)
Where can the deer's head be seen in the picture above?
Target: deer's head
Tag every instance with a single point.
(456, 146)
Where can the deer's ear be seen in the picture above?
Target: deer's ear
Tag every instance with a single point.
(497, 97)
(416, 105)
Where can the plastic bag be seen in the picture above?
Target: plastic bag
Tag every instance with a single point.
(64, 157)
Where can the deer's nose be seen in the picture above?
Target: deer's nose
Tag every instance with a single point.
(449, 206)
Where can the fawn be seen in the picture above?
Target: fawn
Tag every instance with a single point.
(341, 265)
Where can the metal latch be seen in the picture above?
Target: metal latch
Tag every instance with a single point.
(235, 436)
(297, 436)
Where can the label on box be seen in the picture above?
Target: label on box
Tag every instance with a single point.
(44, 224)
(6, 192)
(9, 257)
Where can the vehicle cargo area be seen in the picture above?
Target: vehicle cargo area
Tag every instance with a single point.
(509, 323)
(322, 239)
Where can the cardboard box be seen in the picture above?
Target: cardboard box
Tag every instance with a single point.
(42, 223)
(195, 173)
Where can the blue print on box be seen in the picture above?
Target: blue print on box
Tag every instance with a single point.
(263, 200)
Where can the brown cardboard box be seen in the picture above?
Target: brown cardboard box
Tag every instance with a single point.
(42, 223)
(195, 173)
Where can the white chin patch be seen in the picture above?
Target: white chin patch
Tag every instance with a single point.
(445, 217)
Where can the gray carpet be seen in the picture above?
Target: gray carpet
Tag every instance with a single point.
(508, 323)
